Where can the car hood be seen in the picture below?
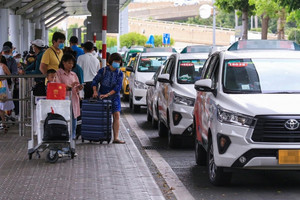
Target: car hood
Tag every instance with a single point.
(262, 104)
(185, 90)
(143, 77)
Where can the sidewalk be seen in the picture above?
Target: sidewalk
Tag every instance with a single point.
(113, 171)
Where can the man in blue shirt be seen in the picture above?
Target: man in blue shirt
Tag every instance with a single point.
(73, 45)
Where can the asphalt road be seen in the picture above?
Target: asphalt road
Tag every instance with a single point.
(245, 184)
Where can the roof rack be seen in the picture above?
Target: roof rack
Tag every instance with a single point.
(264, 45)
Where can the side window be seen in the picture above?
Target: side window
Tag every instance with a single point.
(165, 66)
(204, 69)
(171, 65)
(134, 65)
(215, 72)
(210, 67)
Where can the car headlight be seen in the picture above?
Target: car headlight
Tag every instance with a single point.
(140, 85)
(179, 99)
(229, 117)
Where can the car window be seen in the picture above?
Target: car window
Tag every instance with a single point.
(261, 76)
(135, 63)
(150, 63)
(210, 67)
(189, 71)
(155, 76)
(169, 66)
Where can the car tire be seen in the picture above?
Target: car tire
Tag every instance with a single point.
(154, 123)
(162, 129)
(173, 141)
(136, 108)
(130, 102)
(216, 174)
(149, 116)
(200, 154)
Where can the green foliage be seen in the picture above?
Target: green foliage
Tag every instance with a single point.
(294, 34)
(132, 39)
(259, 30)
(294, 17)
(231, 5)
(268, 8)
(110, 42)
(158, 41)
(290, 4)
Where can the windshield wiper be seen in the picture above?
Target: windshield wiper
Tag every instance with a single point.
(281, 92)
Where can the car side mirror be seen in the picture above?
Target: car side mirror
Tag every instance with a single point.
(164, 78)
(150, 82)
(204, 85)
(129, 68)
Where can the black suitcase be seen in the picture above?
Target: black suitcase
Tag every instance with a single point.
(96, 120)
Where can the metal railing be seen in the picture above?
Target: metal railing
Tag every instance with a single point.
(25, 99)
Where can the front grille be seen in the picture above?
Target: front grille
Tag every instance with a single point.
(272, 129)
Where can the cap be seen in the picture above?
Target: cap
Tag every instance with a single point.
(6, 48)
(38, 43)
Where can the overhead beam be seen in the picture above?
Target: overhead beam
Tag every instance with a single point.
(8, 3)
(47, 12)
(53, 14)
(39, 9)
(59, 20)
(23, 9)
(53, 20)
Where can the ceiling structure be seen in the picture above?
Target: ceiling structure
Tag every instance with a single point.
(46, 10)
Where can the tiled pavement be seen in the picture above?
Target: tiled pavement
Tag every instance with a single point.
(106, 171)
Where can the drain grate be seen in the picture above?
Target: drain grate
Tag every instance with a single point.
(150, 147)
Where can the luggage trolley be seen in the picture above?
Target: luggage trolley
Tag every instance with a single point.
(57, 148)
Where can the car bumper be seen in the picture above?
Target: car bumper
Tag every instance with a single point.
(139, 97)
(184, 125)
(244, 153)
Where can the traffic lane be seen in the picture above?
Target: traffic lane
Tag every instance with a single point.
(246, 184)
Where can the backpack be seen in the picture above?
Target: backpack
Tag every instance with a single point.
(39, 89)
(55, 128)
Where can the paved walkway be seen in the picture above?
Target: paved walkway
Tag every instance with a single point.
(112, 171)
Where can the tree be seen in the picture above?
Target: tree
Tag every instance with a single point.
(290, 4)
(132, 39)
(267, 9)
(245, 6)
(158, 41)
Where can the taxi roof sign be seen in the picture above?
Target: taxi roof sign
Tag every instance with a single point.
(264, 45)
(159, 49)
(196, 49)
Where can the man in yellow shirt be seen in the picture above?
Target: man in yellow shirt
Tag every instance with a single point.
(53, 55)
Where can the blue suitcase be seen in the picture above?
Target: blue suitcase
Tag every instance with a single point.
(96, 120)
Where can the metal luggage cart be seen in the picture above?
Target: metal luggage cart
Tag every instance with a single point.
(57, 149)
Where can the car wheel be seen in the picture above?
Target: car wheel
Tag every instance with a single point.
(162, 129)
(173, 141)
(216, 174)
(149, 117)
(130, 102)
(154, 123)
(136, 108)
(200, 154)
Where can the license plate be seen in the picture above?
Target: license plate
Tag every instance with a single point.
(289, 157)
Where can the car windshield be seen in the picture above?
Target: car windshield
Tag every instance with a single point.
(189, 71)
(151, 64)
(261, 76)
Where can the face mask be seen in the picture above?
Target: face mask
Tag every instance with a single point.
(61, 45)
(115, 65)
(6, 56)
(18, 60)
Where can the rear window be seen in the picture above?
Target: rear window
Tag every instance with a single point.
(151, 64)
(189, 71)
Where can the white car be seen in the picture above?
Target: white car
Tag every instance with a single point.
(247, 112)
(151, 98)
(144, 66)
(176, 96)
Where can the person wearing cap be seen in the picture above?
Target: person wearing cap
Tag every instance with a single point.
(73, 45)
(53, 55)
(90, 66)
(38, 47)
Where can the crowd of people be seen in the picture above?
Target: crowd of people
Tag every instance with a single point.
(79, 68)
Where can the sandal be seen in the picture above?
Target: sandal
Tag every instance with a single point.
(118, 142)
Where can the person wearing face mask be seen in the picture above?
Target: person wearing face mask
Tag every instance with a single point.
(53, 55)
(110, 79)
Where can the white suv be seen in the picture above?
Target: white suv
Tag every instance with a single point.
(176, 96)
(247, 112)
(144, 66)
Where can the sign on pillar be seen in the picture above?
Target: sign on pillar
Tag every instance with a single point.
(166, 39)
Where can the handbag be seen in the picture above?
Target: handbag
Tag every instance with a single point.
(56, 91)
(3, 94)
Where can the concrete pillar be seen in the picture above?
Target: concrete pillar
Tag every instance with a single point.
(31, 32)
(15, 31)
(46, 37)
(25, 36)
(4, 21)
